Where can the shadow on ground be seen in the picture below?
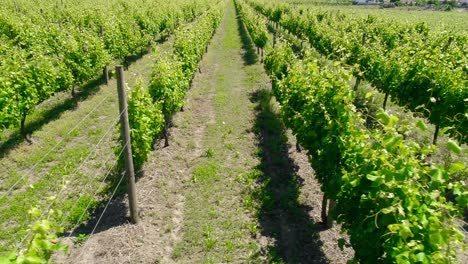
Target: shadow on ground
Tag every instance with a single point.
(281, 215)
(86, 91)
(108, 213)
(249, 55)
(49, 115)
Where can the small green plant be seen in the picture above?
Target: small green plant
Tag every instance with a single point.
(229, 246)
(80, 239)
(254, 252)
(249, 203)
(213, 213)
(274, 256)
(209, 153)
(146, 122)
(208, 261)
(253, 228)
(230, 146)
(205, 172)
(79, 211)
(209, 241)
(42, 242)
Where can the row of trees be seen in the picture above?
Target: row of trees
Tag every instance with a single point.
(416, 67)
(392, 204)
(55, 47)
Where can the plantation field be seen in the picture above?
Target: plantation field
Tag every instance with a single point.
(454, 20)
(259, 131)
(438, 20)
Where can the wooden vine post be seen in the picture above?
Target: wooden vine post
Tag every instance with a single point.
(105, 70)
(101, 31)
(437, 125)
(73, 91)
(331, 207)
(23, 130)
(324, 208)
(385, 101)
(274, 39)
(166, 129)
(326, 216)
(436, 134)
(127, 146)
(105, 74)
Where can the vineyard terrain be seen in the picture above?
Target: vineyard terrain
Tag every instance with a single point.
(290, 131)
(227, 138)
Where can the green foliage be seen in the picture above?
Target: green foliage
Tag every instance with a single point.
(75, 209)
(80, 239)
(206, 172)
(168, 84)
(43, 241)
(255, 24)
(46, 48)
(209, 153)
(423, 70)
(392, 205)
(31, 79)
(189, 46)
(172, 74)
(150, 109)
(146, 122)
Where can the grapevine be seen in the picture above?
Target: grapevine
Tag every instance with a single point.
(391, 204)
